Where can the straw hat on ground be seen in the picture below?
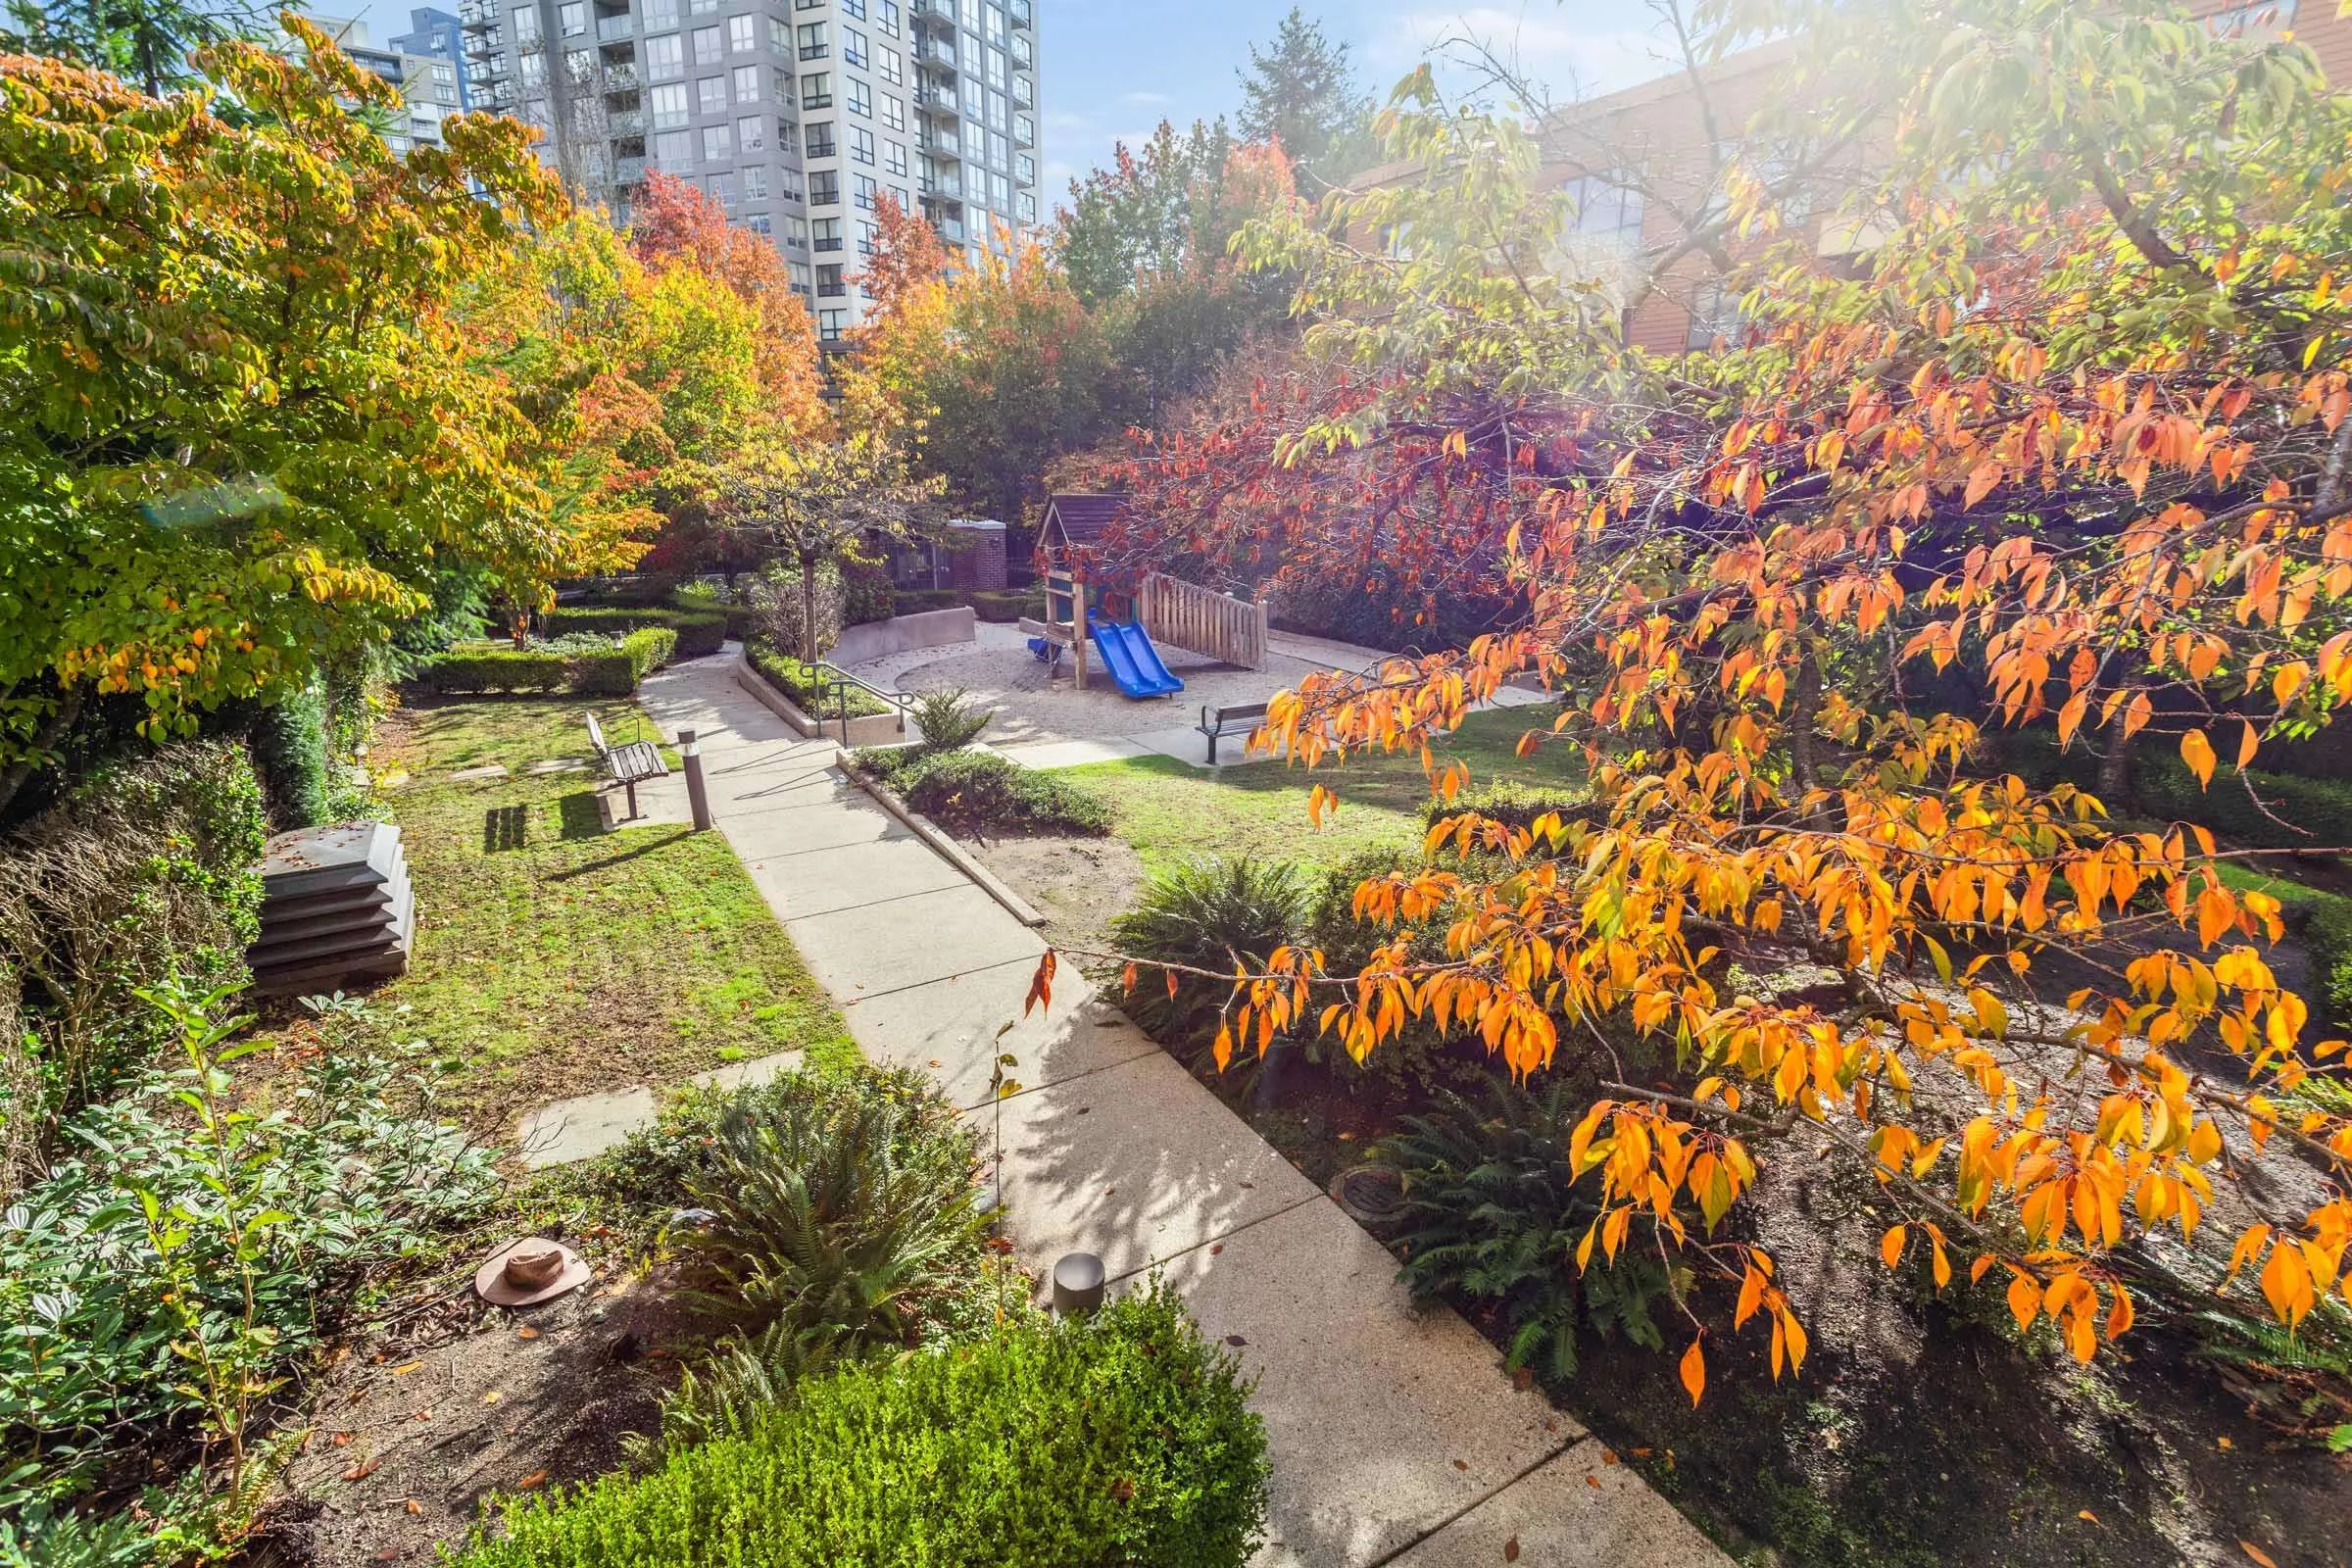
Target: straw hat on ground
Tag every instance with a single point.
(526, 1272)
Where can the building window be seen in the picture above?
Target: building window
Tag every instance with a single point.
(1026, 206)
(886, 17)
(743, 34)
(706, 50)
(894, 159)
(527, 24)
(796, 231)
(817, 90)
(674, 149)
(827, 232)
(747, 84)
(865, 190)
(892, 72)
(716, 144)
(710, 93)
(702, 8)
(829, 286)
(755, 184)
(853, 47)
(798, 273)
(664, 58)
(894, 113)
(832, 326)
(659, 13)
(531, 69)
(854, 8)
(1000, 191)
(751, 132)
(1024, 131)
(820, 139)
(869, 239)
(669, 105)
(572, 17)
(2264, 17)
(813, 41)
(1715, 315)
(722, 186)
(757, 222)
(862, 144)
(861, 97)
(825, 188)
(1025, 169)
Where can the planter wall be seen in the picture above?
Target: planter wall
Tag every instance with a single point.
(929, 628)
(875, 729)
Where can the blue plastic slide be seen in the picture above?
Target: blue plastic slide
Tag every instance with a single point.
(1132, 659)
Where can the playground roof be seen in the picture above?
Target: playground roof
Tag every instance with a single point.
(1079, 519)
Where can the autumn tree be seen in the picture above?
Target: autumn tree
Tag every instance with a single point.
(1301, 93)
(2077, 427)
(240, 430)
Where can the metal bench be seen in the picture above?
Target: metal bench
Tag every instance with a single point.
(627, 766)
(1240, 718)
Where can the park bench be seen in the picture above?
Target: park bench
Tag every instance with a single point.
(627, 766)
(1239, 718)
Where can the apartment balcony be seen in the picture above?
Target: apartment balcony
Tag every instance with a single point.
(625, 121)
(629, 171)
(1023, 15)
(950, 229)
(938, 54)
(611, 29)
(621, 78)
(941, 11)
(939, 143)
(1024, 135)
(929, 101)
(944, 187)
(1022, 93)
(1024, 54)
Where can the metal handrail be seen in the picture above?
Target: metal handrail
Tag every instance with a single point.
(838, 684)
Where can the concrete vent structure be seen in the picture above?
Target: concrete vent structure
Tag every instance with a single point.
(336, 909)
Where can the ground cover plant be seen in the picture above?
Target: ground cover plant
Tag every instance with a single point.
(981, 794)
(810, 691)
(1123, 1440)
(570, 958)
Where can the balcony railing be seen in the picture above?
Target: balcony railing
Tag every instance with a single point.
(937, 53)
(832, 291)
(939, 143)
(621, 78)
(929, 102)
(945, 187)
(1022, 16)
(629, 171)
(1022, 93)
(950, 229)
(609, 29)
(625, 121)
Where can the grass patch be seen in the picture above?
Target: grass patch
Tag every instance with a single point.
(1170, 811)
(554, 958)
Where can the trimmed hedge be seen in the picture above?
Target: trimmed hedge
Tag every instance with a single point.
(980, 792)
(699, 631)
(1123, 1440)
(1517, 805)
(789, 676)
(602, 673)
(2163, 786)
(988, 603)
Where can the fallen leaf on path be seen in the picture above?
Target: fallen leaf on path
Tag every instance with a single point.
(2257, 1553)
(1461, 1464)
(527, 1332)
(1235, 1340)
(1593, 1481)
(404, 1371)
(360, 1472)
(493, 1396)
(532, 1482)
(1510, 1549)
(340, 1438)
(2086, 1513)
(415, 1506)
(1608, 1457)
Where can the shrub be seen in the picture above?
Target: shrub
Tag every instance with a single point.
(866, 593)
(981, 793)
(1348, 945)
(1213, 913)
(947, 720)
(290, 753)
(1123, 1440)
(1517, 805)
(489, 667)
(913, 601)
(705, 598)
(809, 693)
(699, 631)
(145, 872)
(123, 1327)
(616, 672)
(833, 1209)
(1005, 604)
(1492, 1210)
(775, 599)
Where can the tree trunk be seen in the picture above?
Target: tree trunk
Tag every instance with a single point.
(53, 730)
(809, 611)
(1805, 715)
(2114, 787)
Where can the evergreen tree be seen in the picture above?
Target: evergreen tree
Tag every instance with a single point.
(144, 42)
(1304, 92)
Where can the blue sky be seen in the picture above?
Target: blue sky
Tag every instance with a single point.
(1111, 69)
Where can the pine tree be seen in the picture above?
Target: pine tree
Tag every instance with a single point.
(1304, 91)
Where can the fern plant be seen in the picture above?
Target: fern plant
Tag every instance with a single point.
(2299, 1380)
(1206, 914)
(947, 719)
(832, 1209)
(1492, 1210)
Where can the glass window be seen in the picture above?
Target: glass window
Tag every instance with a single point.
(886, 17)
(779, 35)
(659, 13)
(1000, 191)
(705, 46)
(973, 98)
(674, 149)
(813, 41)
(784, 84)
(751, 132)
(862, 144)
(865, 191)
(1024, 129)
(893, 157)
(824, 187)
(995, 68)
(827, 231)
(1026, 205)
(712, 94)
(1715, 315)
(743, 34)
(888, 66)
(894, 113)
(668, 103)
(533, 70)
(854, 8)
(996, 23)
(795, 229)
(572, 17)
(997, 148)
(755, 184)
(853, 47)
(722, 186)
(718, 143)
(861, 97)
(799, 272)
(1604, 209)
(869, 239)
(757, 222)
(829, 286)
(820, 139)
(527, 24)
(664, 58)
(747, 84)
(971, 15)
(702, 8)
(832, 326)
(1025, 169)
(817, 90)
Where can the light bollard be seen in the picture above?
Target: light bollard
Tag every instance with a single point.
(1077, 1284)
(698, 793)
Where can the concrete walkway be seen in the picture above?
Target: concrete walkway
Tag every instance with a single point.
(1395, 1436)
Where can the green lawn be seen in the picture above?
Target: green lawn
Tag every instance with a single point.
(1170, 811)
(552, 957)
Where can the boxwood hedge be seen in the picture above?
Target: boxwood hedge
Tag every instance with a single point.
(1126, 1439)
(612, 671)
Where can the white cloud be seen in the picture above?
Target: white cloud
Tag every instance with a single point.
(1146, 100)
(1540, 40)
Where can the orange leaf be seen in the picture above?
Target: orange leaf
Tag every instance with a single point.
(1891, 1246)
(2247, 744)
(532, 1482)
(1694, 1372)
(2197, 752)
(2257, 1553)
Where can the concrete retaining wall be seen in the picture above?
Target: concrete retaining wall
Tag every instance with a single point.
(875, 729)
(930, 628)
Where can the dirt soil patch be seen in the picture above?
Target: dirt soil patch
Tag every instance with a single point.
(417, 1427)
(1080, 885)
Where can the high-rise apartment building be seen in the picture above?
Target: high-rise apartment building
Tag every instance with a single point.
(440, 37)
(430, 85)
(797, 115)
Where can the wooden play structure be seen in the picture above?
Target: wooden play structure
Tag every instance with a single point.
(1163, 609)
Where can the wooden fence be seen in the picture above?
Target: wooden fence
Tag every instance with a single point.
(1200, 620)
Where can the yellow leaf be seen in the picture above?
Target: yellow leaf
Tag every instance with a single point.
(2025, 1301)
(2197, 752)
(1694, 1372)
(2256, 1553)
(1891, 1246)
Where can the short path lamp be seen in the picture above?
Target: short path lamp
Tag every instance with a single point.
(1077, 1284)
(698, 793)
